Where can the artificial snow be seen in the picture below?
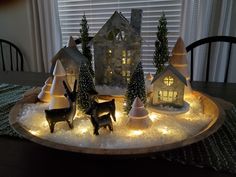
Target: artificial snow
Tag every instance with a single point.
(165, 128)
(110, 90)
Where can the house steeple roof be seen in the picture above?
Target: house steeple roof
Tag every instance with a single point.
(174, 71)
(116, 21)
(179, 58)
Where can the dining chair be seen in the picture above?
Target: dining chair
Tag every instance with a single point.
(11, 56)
(209, 41)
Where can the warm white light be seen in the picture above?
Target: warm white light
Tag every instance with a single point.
(164, 130)
(135, 132)
(45, 124)
(34, 132)
(153, 116)
(118, 114)
(83, 130)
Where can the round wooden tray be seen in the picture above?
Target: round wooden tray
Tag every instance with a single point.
(211, 107)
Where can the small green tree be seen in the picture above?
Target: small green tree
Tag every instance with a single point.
(136, 88)
(161, 54)
(85, 88)
(84, 42)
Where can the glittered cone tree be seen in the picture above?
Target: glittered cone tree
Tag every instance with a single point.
(57, 91)
(138, 116)
(161, 54)
(44, 95)
(86, 51)
(136, 88)
(86, 88)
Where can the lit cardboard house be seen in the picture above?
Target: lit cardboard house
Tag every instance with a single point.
(168, 88)
(71, 59)
(117, 47)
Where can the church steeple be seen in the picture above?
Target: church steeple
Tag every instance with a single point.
(179, 58)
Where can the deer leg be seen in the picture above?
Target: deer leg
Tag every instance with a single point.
(96, 131)
(110, 127)
(52, 125)
(70, 124)
(113, 115)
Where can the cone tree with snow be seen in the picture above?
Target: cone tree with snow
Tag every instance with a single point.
(161, 54)
(86, 88)
(86, 51)
(136, 87)
(57, 91)
(44, 95)
(138, 116)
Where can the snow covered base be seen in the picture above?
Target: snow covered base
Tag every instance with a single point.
(165, 129)
(169, 109)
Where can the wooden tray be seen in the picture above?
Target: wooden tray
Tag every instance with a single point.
(211, 107)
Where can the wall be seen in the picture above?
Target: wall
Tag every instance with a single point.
(14, 27)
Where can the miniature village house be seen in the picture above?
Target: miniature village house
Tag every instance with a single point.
(71, 59)
(168, 88)
(117, 47)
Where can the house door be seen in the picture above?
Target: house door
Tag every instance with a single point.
(167, 96)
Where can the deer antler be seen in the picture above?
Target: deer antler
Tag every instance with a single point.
(71, 95)
(66, 88)
(75, 84)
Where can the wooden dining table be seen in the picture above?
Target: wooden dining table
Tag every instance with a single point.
(23, 158)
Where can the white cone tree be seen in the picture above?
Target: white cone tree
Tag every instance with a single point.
(179, 61)
(57, 91)
(138, 116)
(44, 95)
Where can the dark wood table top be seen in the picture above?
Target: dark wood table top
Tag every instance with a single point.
(22, 158)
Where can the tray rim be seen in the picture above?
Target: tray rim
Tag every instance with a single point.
(31, 97)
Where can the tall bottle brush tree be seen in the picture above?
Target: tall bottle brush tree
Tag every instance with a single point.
(85, 43)
(136, 88)
(85, 88)
(161, 54)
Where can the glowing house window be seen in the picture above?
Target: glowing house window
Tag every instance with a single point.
(126, 60)
(168, 80)
(120, 36)
(123, 53)
(126, 74)
(123, 61)
(128, 53)
(167, 96)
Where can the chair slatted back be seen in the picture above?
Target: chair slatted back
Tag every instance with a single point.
(209, 40)
(12, 52)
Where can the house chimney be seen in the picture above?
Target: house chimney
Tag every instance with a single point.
(136, 20)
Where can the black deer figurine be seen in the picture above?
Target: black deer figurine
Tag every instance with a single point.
(103, 121)
(98, 109)
(65, 114)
